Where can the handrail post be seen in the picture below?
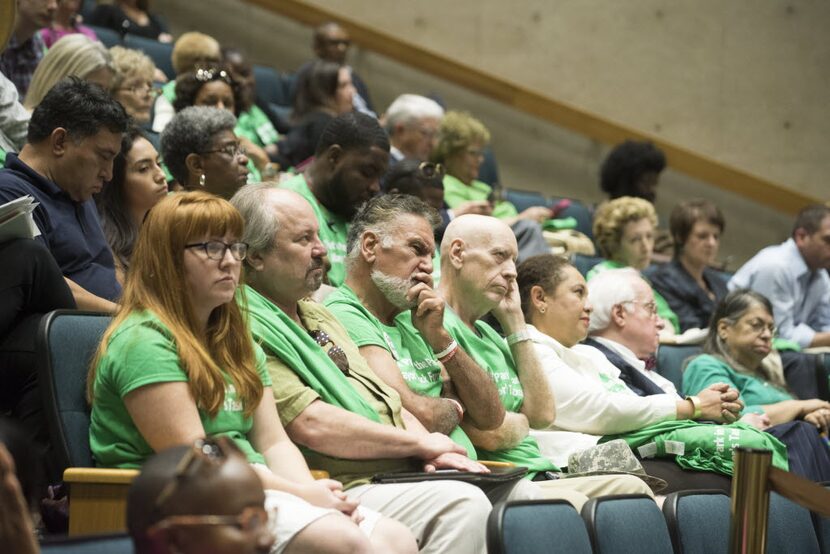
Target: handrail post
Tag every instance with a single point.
(750, 501)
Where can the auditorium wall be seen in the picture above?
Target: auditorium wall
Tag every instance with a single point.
(743, 82)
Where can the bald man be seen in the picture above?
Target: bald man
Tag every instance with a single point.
(478, 267)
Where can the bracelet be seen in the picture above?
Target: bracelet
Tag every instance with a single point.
(458, 407)
(517, 337)
(450, 347)
(695, 400)
(451, 355)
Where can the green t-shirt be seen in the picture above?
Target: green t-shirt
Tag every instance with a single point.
(416, 360)
(456, 192)
(142, 352)
(706, 370)
(333, 230)
(663, 309)
(255, 126)
(491, 352)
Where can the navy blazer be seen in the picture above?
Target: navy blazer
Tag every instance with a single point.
(632, 377)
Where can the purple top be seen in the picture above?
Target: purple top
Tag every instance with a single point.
(50, 36)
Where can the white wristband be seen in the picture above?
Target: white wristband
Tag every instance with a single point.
(518, 337)
(458, 408)
(450, 347)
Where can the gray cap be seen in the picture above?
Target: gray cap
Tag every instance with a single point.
(609, 458)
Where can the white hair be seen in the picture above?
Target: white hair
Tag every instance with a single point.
(407, 108)
(608, 289)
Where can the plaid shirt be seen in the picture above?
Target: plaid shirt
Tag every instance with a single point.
(18, 61)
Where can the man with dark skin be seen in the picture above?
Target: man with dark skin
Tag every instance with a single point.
(352, 155)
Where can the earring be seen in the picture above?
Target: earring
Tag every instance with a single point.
(202, 180)
(543, 309)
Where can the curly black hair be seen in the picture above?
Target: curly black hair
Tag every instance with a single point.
(622, 170)
(189, 84)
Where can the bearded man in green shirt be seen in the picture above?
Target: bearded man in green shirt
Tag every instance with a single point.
(345, 419)
(350, 158)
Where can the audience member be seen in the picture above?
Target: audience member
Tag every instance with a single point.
(137, 185)
(632, 169)
(132, 84)
(66, 21)
(394, 316)
(624, 232)
(460, 150)
(178, 363)
(73, 55)
(216, 505)
(412, 122)
(793, 276)
(131, 17)
(324, 91)
(201, 151)
(191, 51)
(689, 284)
(350, 158)
(253, 122)
(740, 337)
(331, 43)
(592, 399)
(213, 87)
(25, 49)
(14, 118)
(426, 181)
(351, 423)
(478, 255)
(74, 135)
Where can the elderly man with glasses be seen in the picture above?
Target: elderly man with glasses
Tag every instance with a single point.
(347, 420)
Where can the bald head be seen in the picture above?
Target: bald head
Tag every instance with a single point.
(331, 42)
(477, 230)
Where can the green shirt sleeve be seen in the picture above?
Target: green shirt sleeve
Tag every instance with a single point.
(706, 370)
(362, 331)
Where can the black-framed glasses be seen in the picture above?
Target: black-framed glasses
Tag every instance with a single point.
(253, 519)
(207, 74)
(431, 170)
(235, 150)
(215, 249)
(142, 89)
(335, 353)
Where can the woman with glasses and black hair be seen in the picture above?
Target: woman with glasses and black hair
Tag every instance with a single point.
(740, 338)
(137, 185)
(212, 86)
(179, 364)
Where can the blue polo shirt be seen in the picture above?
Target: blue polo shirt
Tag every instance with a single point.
(70, 230)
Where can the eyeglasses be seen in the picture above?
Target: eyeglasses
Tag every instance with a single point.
(431, 170)
(235, 150)
(757, 326)
(335, 353)
(142, 90)
(204, 75)
(339, 42)
(475, 152)
(650, 306)
(215, 249)
(206, 451)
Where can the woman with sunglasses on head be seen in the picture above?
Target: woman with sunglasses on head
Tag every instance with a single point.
(177, 365)
(739, 339)
(137, 185)
(212, 86)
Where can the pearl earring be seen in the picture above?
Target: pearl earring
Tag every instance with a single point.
(202, 180)
(543, 309)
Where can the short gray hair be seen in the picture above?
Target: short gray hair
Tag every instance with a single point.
(407, 108)
(381, 214)
(191, 131)
(608, 289)
(261, 223)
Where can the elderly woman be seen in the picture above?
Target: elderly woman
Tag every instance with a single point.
(740, 337)
(624, 233)
(201, 151)
(176, 367)
(324, 91)
(137, 185)
(132, 84)
(688, 283)
(591, 399)
(73, 55)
